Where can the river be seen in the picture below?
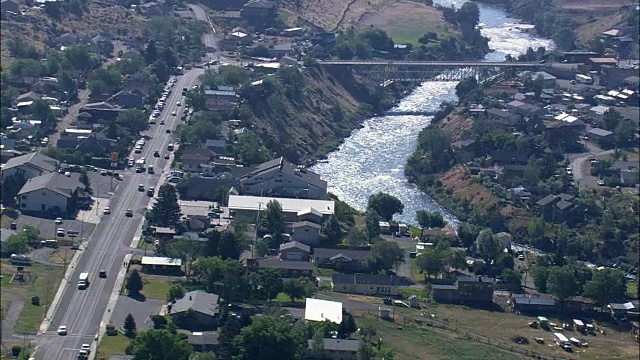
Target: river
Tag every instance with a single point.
(372, 159)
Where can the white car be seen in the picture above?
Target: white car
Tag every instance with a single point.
(86, 347)
(58, 221)
(60, 232)
(62, 330)
(173, 113)
(178, 103)
(106, 210)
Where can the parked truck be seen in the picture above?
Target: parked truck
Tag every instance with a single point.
(584, 79)
(562, 341)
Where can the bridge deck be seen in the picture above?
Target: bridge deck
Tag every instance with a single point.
(430, 63)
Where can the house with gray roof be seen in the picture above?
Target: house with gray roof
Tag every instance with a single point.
(366, 284)
(306, 232)
(29, 166)
(465, 289)
(342, 349)
(197, 310)
(294, 251)
(279, 177)
(341, 259)
(556, 207)
(53, 192)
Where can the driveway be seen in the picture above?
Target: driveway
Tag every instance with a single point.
(141, 311)
(408, 245)
(582, 168)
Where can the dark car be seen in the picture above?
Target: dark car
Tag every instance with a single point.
(168, 131)
(129, 213)
(156, 154)
(102, 274)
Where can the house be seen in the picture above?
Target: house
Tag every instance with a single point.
(465, 145)
(217, 146)
(533, 304)
(506, 157)
(29, 96)
(66, 39)
(204, 340)
(101, 110)
(129, 99)
(597, 63)
(197, 310)
(502, 117)
(97, 144)
(524, 109)
(286, 268)
(161, 265)
(29, 166)
(53, 192)
(597, 112)
(622, 311)
(601, 136)
(578, 56)
(306, 232)
(548, 80)
(562, 132)
(280, 177)
(293, 32)
(365, 284)
(579, 304)
(628, 171)
(323, 310)
(258, 10)
(465, 289)
(153, 8)
(217, 96)
(280, 50)
(294, 251)
(4, 235)
(310, 215)
(556, 207)
(341, 259)
(249, 206)
(334, 349)
(208, 187)
(9, 6)
(193, 158)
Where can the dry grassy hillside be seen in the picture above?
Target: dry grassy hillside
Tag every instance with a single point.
(404, 20)
(36, 27)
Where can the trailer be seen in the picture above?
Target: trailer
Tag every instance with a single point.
(578, 325)
(584, 79)
(562, 341)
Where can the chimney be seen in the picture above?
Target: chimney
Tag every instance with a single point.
(480, 278)
(190, 298)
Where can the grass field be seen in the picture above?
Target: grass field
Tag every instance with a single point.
(632, 289)
(45, 285)
(113, 345)
(323, 272)
(503, 326)
(155, 289)
(412, 342)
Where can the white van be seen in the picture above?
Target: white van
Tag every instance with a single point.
(83, 280)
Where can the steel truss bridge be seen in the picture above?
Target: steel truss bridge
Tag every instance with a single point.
(420, 71)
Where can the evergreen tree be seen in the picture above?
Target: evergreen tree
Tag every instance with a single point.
(372, 222)
(134, 284)
(331, 231)
(273, 222)
(129, 326)
(166, 210)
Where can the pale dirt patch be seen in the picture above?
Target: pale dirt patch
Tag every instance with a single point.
(462, 186)
(589, 31)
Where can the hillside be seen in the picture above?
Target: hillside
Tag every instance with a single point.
(404, 20)
(36, 27)
(309, 115)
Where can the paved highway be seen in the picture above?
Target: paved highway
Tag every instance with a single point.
(82, 310)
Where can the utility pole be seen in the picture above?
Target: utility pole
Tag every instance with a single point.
(255, 238)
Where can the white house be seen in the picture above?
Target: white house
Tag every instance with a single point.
(249, 206)
(597, 112)
(51, 192)
(29, 166)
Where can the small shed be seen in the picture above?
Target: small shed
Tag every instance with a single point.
(578, 325)
(384, 313)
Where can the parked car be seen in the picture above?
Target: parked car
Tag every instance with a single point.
(129, 213)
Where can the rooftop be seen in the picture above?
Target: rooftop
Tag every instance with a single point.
(276, 263)
(289, 205)
(383, 280)
(161, 261)
(199, 301)
(34, 160)
(353, 254)
(295, 245)
(338, 345)
(56, 182)
(321, 310)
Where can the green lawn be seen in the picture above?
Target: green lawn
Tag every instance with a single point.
(323, 272)
(45, 285)
(144, 245)
(113, 345)
(407, 292)
(632, 289)
(282, 297)
(413, 342)
(155, 289)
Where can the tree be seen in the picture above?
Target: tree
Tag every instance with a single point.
(317, 346)
(372, 222)
(428, 219)
(468, 234)
(132, 119)
(160, 345)
(134, 284)
(331, 231)
(280, 332)
(129, 326)
(562, 283)
(488, 245)
(176, 291)
(606, 285)
(387, 253)
(512, 276)
(166, 210)
(273, 221)
(159, 322)
(356, 237)
(465, 86)
(265, 284)
(540, 276)
(430, 263)
(347, 327)
(17, 244)
(297, 288)
(385, 205)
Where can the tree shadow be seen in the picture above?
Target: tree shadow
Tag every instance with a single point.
(138, 297)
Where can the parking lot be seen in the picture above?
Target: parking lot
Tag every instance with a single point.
(48, 227)
(141, 311)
